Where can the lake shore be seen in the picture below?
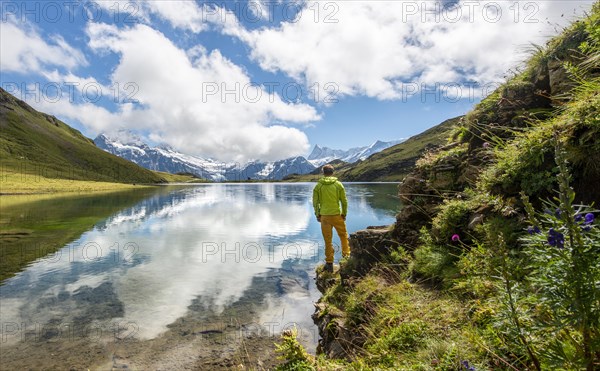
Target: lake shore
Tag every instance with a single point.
(12, 183)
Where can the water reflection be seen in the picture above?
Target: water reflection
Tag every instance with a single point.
(202, 249)
(33, 226)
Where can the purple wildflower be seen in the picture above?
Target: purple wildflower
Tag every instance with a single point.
(466, 365)
(455, 238)
(556, 238)
(578, 218)
(589, 218)
(534, 230)
(558, 213)
(486, 145)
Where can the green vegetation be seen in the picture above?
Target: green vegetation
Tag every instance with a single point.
(180, 178)
(494, 260)
(38, 147)
(23, 183)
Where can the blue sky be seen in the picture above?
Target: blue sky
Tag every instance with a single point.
(239, 80)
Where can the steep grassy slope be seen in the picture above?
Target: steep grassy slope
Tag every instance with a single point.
(43, 147)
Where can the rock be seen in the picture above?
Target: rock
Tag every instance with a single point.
(408, 223)
(475, 220)
(411, 186)
(560, 82)
(524, 95)
(444, 177)
(337, 341)
(325, 280)
(368, 246)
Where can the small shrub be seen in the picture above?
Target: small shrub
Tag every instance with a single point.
(452, 219)
(475, 267)
(398, 258)
(293, 353)
(406, 336)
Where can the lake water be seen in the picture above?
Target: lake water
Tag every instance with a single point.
(168, 278)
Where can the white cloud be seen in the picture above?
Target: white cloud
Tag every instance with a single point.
(369, 48)
(183, 100)
(94, 117)
(181, 14)
(23, 50)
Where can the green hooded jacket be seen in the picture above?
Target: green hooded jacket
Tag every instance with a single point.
(327, 196)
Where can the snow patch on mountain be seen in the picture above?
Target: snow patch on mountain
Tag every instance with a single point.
(322, 155)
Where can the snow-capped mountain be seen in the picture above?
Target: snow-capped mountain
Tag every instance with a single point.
(131, 147)
(322, 155)
(128, 145)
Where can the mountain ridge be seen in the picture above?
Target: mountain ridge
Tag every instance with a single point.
(320, 155)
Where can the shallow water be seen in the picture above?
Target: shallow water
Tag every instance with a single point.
(220, 262)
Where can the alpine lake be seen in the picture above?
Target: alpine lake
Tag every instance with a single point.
(200, 276)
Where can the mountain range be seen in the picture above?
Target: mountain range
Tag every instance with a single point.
(128, 145)
(322, 155)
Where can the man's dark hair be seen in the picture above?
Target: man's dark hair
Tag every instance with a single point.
(328, 170)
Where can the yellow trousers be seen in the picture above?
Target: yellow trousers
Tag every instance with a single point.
(327, 223)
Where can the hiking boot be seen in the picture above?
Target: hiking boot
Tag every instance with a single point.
(328, 267)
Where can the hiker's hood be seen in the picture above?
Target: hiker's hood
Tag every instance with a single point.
(328, 180)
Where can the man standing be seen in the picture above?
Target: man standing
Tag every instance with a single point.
(328, 194)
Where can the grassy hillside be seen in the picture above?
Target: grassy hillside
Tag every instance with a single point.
(12, 183)
(43, 147)
(180, 178)
(494, 261)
